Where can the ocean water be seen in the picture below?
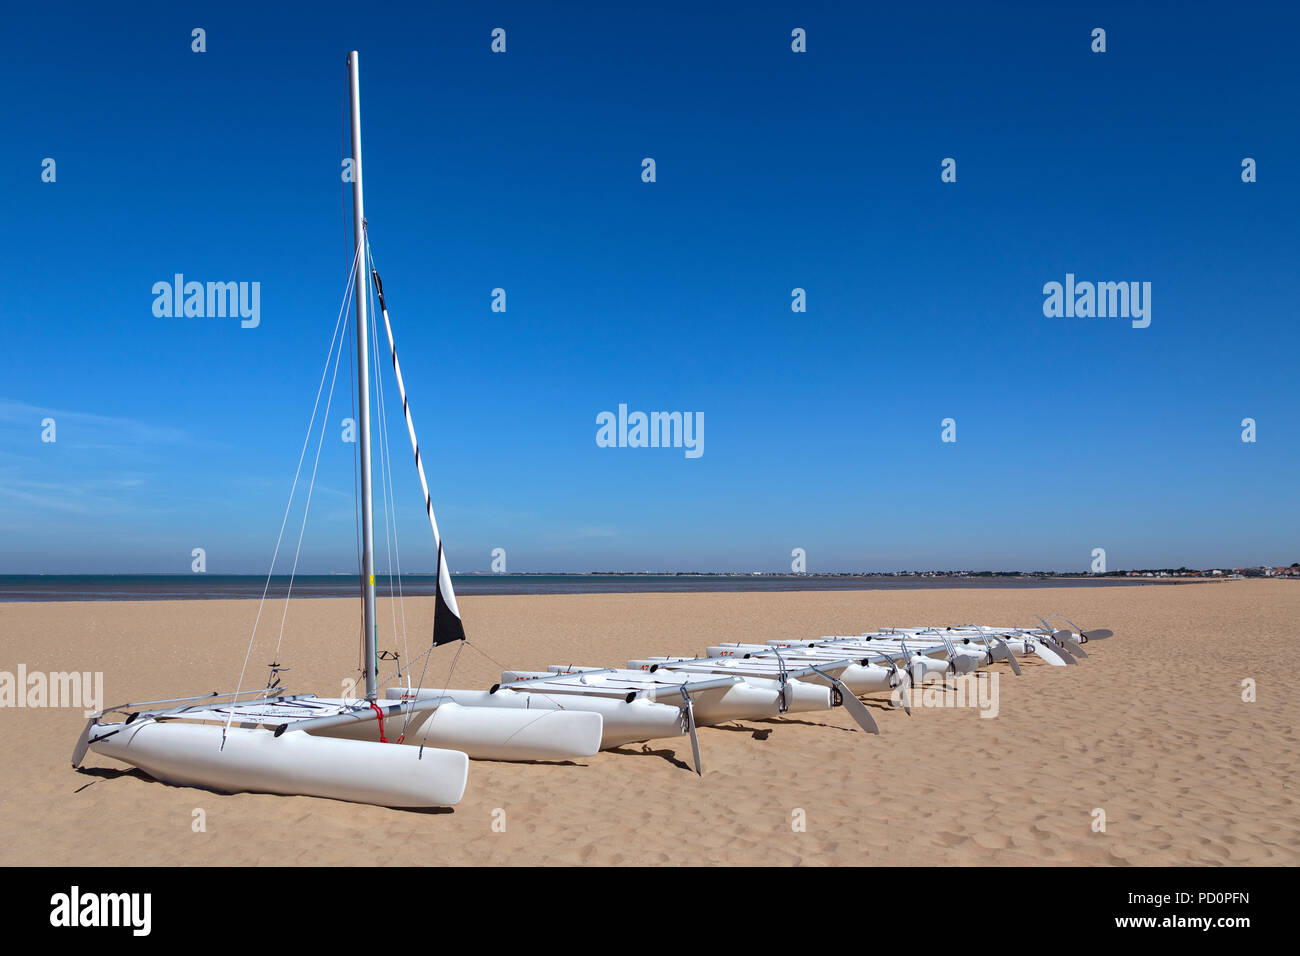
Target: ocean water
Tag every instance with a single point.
(173, 587)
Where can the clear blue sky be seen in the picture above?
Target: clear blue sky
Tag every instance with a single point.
(775, 170)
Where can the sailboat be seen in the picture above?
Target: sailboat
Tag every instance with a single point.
(300, 744)
(268, 740)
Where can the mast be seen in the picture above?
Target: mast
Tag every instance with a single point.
(370, 651)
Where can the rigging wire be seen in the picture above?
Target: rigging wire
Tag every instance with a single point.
(426, 654)
(320, 443)
(390, 506)
(345, 154)
(397, 551)
(372, 345)
(390, 503)
(386, 479)
(347, 297)
(356, 515)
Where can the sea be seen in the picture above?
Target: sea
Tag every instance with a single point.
(178, 587)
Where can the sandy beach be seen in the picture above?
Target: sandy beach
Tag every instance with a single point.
(1151, 728)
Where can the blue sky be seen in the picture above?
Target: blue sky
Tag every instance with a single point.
(775, 170)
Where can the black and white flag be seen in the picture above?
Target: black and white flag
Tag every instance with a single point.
(447, 626)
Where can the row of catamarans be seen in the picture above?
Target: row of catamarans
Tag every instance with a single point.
(273, 742)
(333, 747)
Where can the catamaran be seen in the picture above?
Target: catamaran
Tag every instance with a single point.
(268, 740)
(638, 706)
(963, 648)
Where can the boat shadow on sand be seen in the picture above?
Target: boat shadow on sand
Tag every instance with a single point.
(735, 726)
(112, 773)
(758, 733)
(882, 705)
(109, 773)
(646, 751)
(795, 720)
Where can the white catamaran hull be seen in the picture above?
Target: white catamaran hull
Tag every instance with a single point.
(758, 698)
(859, 678)
(621, 721)
(751, 699)
(485, 734)
(921, 669)
(294, 763)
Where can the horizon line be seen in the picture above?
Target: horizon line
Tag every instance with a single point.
(948, 572)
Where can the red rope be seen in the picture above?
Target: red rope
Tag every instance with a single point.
(380, 714)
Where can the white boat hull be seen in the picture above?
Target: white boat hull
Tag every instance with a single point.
(758, 698)
(620, 722)
(865, 678)
(752, 699)
(495, 734)
(922, 667)
(293, 763)
(859, 678)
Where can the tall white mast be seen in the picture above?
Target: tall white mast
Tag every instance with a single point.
(363, 389)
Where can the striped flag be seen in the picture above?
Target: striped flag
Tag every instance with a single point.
(447, 626)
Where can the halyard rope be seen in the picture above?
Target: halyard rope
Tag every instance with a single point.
(397, 603)
(320, 443)
(410, 425)
(347, 297)
(419, 464)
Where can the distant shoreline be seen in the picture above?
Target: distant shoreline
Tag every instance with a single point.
(192, 587)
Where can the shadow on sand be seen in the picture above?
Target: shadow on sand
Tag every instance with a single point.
(109, 773)
(645, 751)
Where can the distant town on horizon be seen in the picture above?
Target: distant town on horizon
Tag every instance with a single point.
(1255, 571)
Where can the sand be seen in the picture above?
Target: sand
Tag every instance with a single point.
(1151, 729)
